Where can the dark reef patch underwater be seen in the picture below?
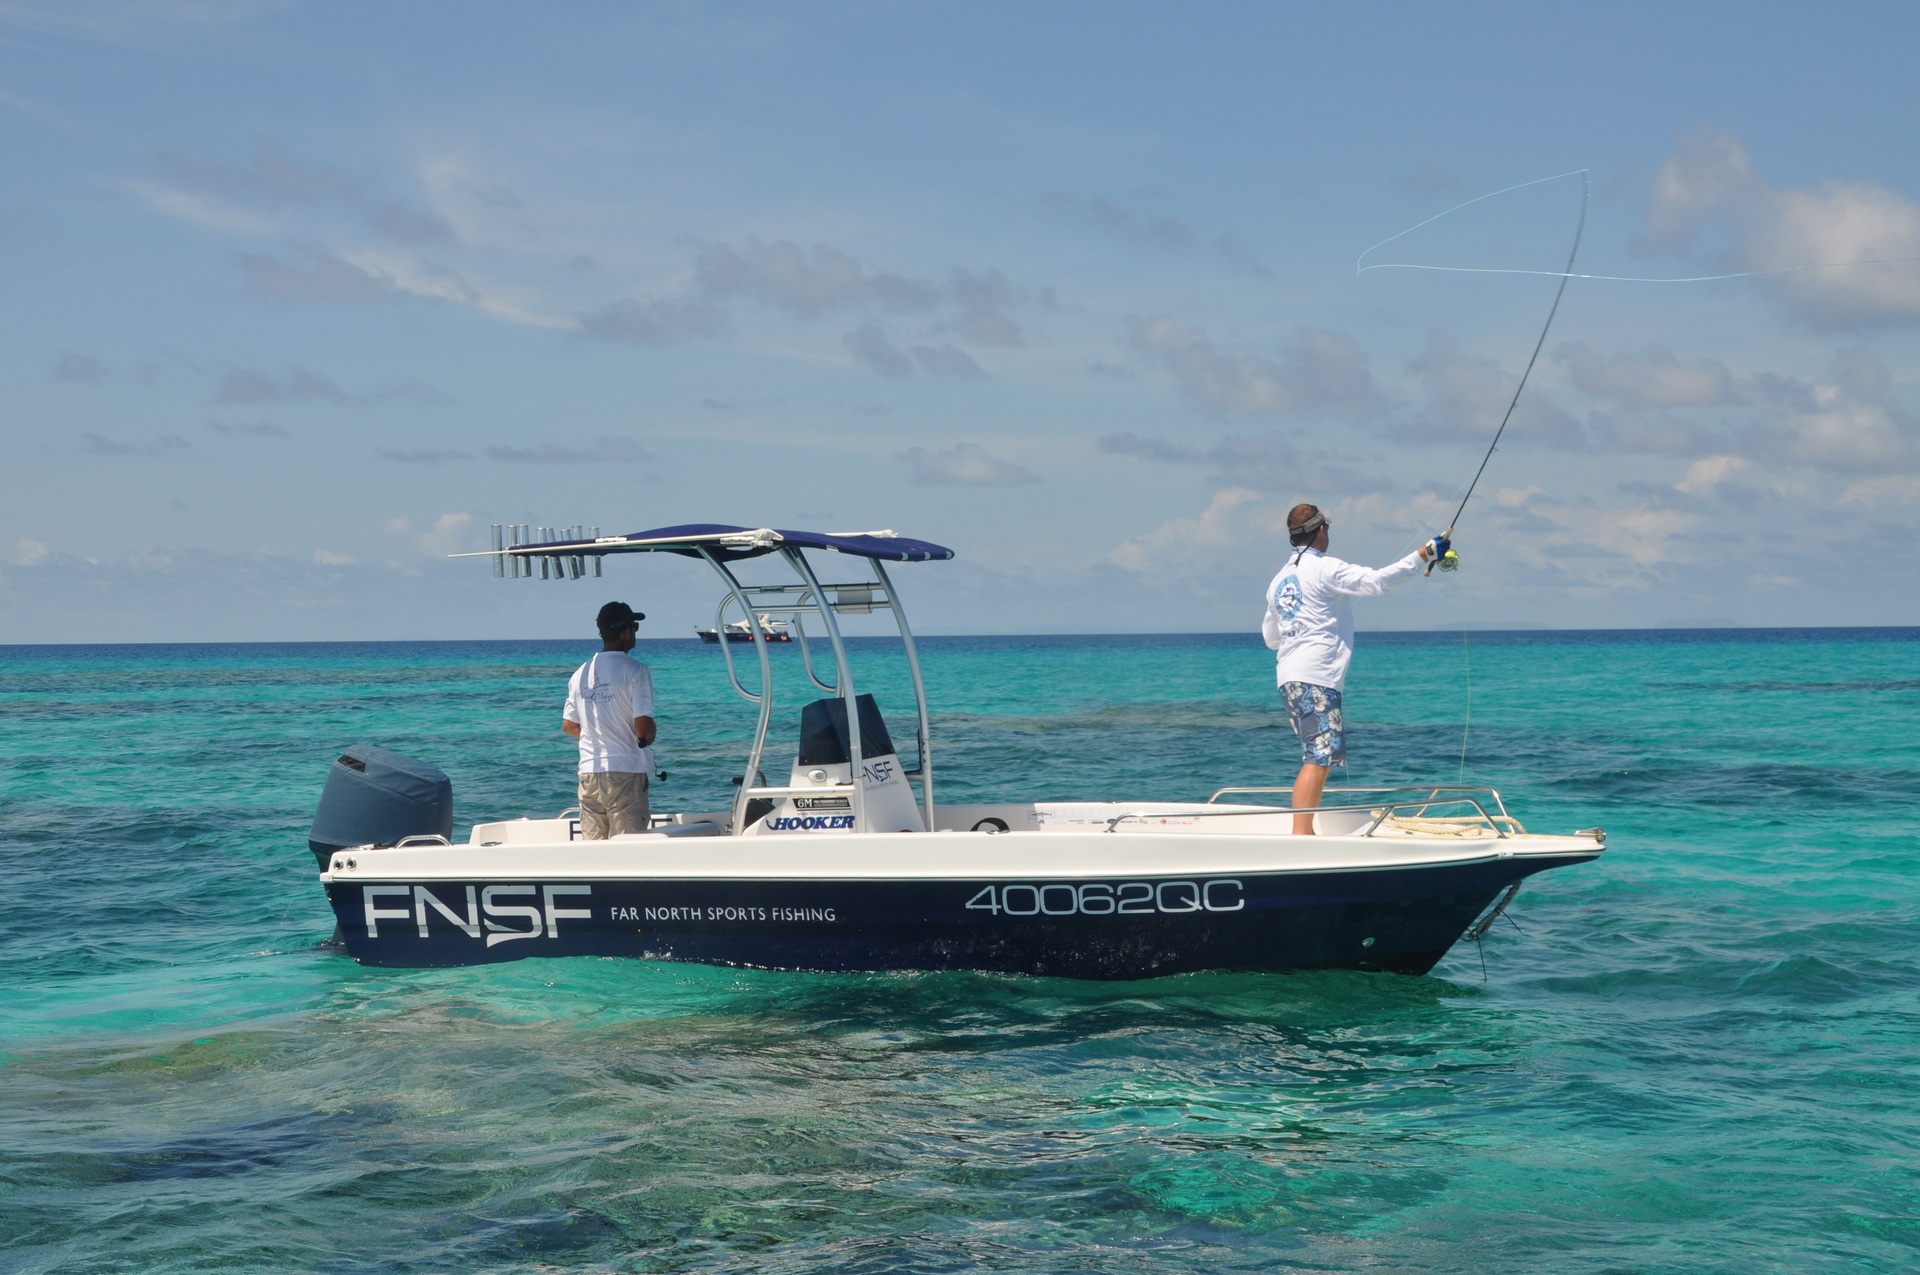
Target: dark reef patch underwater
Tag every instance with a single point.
(1696, 1055)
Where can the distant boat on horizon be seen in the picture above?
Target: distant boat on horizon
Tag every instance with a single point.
(771, 630)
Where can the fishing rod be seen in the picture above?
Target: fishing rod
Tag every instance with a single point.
(1447, 559)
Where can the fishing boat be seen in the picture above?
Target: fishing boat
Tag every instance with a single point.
(854, 864)
(740, 631)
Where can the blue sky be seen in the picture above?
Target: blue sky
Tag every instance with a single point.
(299, 298)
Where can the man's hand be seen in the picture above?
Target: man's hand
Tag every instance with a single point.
(1435, 549)
(645, 731)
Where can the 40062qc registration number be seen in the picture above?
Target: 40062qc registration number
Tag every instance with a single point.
(1131, 898)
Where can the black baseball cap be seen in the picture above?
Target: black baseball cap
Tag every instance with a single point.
(616, 616)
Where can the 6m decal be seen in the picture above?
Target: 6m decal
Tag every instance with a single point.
(1130, 898)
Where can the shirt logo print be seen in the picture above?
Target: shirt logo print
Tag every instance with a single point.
(1286, 598)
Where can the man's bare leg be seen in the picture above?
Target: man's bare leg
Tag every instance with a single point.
(1306, 792)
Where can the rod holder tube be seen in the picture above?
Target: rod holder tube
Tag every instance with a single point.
(766, 689)
(843, 674)
(919, 687)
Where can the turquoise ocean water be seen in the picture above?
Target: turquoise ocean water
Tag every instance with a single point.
(1700, 1054)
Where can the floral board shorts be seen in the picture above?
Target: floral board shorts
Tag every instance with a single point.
(1315, 713)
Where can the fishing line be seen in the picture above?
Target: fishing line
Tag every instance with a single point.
(1466, 654)
(1565, 276)
(1360, 269)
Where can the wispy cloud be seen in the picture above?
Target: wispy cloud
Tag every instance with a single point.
(273, 179)
(606, 448)
(1655, 377)
(1146, 228)
(1178, 540)
(784, 275)
(653, 323)
(295, 385)
(1468, 396)
(1270, 462)
(1149, 229)
(1848, 419)
(101, 445)
(365, 274)
(254, 429)
(427, 456)
(83, 368)
(966, 464)
(1154, 449)
(872, 349)
(1317, 372)
(322, 276)
(241, 385)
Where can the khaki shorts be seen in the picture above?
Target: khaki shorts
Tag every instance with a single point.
(611, 803)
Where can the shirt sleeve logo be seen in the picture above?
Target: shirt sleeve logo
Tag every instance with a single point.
(1286, 598)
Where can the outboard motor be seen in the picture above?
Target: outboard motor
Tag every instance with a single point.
(375, 796)
(824, 759)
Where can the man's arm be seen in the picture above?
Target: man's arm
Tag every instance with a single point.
(1367, 582)
(571, 728)
(643, 730)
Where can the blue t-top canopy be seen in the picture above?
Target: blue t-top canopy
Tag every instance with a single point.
(733, 544)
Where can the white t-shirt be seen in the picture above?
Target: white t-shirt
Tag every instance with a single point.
(604, 695)
(1309, 616)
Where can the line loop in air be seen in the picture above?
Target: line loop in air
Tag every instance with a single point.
(1360, 267)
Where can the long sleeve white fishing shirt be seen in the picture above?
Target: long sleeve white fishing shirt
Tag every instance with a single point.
(1309, 618)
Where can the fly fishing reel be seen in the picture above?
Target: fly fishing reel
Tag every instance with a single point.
(1449, 561)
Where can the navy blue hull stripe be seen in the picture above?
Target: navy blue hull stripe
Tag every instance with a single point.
(1403, 920)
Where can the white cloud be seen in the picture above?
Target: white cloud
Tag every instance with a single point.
(368, 274)
(1808, 233)
(436, 282)
(1704, 475)
(1659, 433)
(27, 553)
(1468, 396)
(199, 210)
(869, 344)
(101, 445)
(447, 535)
(1147, 228)
(295, 385)
(1176, 540)
(1847, 419)
(276, 180)
(80, 367)
(426, 456)
(626, 451)
(1150, 229)
(784, 275)
(1318, 372)
(1154, 449)
(653, 322)
(1652, 378)
(1892, 488)
(963, 463)
(323, 558)
(324, 277)
(871, 347)
(946, 360)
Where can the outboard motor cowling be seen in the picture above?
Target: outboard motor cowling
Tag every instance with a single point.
(375, 796)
